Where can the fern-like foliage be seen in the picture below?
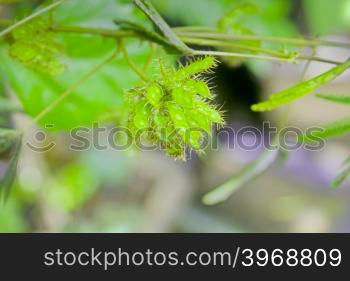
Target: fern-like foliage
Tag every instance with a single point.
(301, 90)
(336, 129)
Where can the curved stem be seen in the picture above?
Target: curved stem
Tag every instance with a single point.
(284, 40)
(216, 43)
(131, 63)
(150, 57)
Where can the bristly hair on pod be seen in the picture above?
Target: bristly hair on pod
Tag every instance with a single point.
(165, 70)
(176, 107)
(196, 66)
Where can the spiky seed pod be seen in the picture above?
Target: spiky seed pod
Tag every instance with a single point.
(175, 108)
(199, 66)
(199, 87)
(182, 97)
(200, 120)
(178, 116)
(142, 115)
(154, 94)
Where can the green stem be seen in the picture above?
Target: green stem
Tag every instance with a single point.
(30, 17)
(194, 29)
(215, 43)
(277, 54)
(202, 39)
(150, 57)
(124, 34)
(150, 11)
(131, 63)
(284, 40)
(240, 55)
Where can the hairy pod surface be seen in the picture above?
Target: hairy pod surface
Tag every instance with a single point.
(175, 108)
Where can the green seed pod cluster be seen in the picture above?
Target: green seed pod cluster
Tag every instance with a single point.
(175, 111)
(35, 46)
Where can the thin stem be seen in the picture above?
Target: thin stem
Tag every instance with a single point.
(285, 40)
(307, 65)
(189, 31)
(161, 68)
(123, 34)
(314, 58)
(200, 38)
(215, 43)
(286, 114)
(30, 17)
(274, 53)
(150, 57)
(240, 55)
(74, 86)
(194, 29)
(131, 63)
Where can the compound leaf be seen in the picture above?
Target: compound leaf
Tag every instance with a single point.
(301, 89)
(336, 129)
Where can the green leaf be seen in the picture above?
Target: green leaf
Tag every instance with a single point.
(7, 180)
(83, 107)
(340, 179)
(300, 90)
(332, 130)
(101, 94)
(252, 170)
(337, 98)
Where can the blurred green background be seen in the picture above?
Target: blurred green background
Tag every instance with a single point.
(108, 191)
